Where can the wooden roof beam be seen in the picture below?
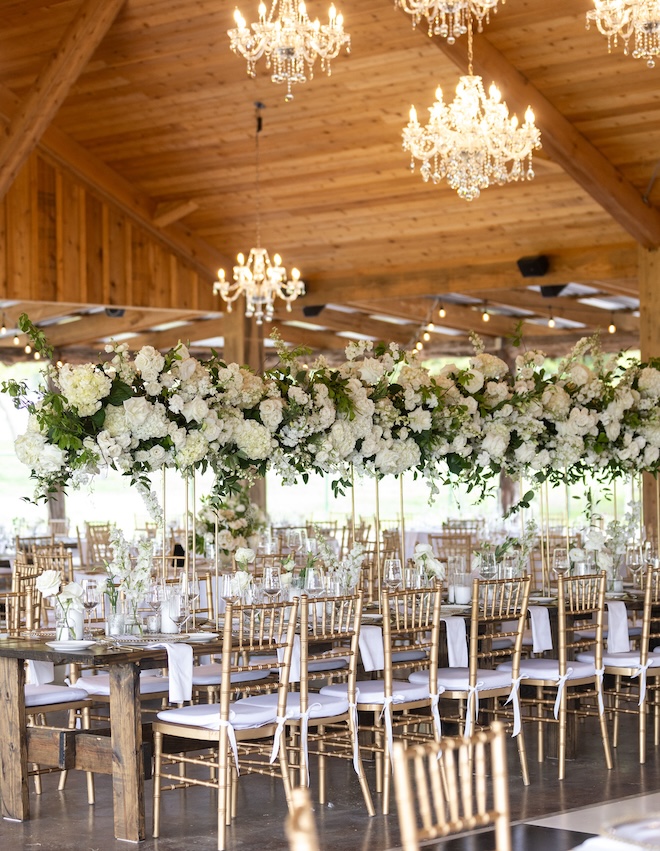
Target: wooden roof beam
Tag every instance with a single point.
(308, 337)
(578, 265)
(358, 322)
(562, 142)
(85, 33)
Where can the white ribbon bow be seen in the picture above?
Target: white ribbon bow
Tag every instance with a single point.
(393, 698)
(304, 731)
(561, 682)
(353, 714)
(641, 673)
(231, 735)
(473, 698)
(514, 696)
(281, 721)
(435, 712)
(600, 673)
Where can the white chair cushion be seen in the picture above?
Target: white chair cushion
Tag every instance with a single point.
(46, 694)
(208, 715)
(332, 663)
(100, 684)
(211, 674)
(458, 679)
(548, 669)
(408, 655)
(621, 660)
(373, 691)
(320, 705)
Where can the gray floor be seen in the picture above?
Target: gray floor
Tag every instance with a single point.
(63, 820)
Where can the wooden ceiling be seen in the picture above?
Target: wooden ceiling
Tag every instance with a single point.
(144, 102)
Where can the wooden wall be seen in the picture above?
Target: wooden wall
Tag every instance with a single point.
(61, 243)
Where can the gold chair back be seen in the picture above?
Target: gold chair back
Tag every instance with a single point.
(452, 786)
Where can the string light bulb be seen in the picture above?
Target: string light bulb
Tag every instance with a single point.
(28, 349)
(3, 329)
(430, 327)
(16, 340)
(37, 356)
(551, 322)
(419, 345)
(442, 312)
(612, 327)
(485, 316)
(426, 336)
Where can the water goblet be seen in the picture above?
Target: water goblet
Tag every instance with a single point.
(560, 561)
(314, 581)
(392, 575)
(488, 566)
(179, 609)
(271, 582)
(635, 562)
(90, 600)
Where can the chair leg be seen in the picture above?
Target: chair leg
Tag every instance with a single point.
(617, 703)
(387, 772)
(379, 743)
(158, 751)
(642, 709)
(522, 755)
(322, 766)
(602, 718)
(561, 738)
(539, 726)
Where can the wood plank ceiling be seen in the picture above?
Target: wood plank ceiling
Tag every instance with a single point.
(145, 104)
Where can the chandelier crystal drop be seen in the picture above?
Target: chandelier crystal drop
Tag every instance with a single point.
(449, 18)
(289, 40)
(629, 20)
(472, 143)
(259, 279)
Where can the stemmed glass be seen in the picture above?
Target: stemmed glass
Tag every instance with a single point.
(90, 600)
(229, 588)
(271, 583)
(560, 561)
(314, 584)
(487, 566)
(179, 609)
(392, 576)
(635, 562)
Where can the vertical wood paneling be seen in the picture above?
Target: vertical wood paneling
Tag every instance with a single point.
(114, 277)
(96, 248)
(70, 229)
(21, 226)
(47, 230)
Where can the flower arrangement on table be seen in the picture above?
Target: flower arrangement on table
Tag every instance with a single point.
(127, 579)
(242, 578)
(381, 412)
(237, 520)
(67, 600)
(424, 559)
(347, 570)
(605, 548)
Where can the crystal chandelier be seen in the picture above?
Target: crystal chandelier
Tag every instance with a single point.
(449, 18)
(290, 42)
(259, 280)
(472, 142)
(623, 19)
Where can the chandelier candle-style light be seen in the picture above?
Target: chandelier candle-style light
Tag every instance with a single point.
(258, 279)
(627, 20)
(449, 18)
(472, 142)
(289, 40)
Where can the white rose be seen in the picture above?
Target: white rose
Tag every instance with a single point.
(475, 382)
(137, 411)
(48, 583)
(371, 371)
(580, 374)
(270, 411)
(244, 555)
(196, 409)
(149, 362)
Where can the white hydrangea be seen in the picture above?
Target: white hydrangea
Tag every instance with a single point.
(33, 450)
(83, 386)
(254, 440)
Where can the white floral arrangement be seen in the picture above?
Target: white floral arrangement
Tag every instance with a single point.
(67, 597)
(237, 519)
(244, 556)
(424, 559)
(606, 548)
(126, 576)
(347, 570)
(381, 412)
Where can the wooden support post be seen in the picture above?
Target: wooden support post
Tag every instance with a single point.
(649, 344)
(14, 796)
(126, 737)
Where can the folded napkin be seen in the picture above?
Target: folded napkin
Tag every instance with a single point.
(457, 650)
(180, 667)
(294, 670)
(40, 673)
(618, 638)
(541, 635)
(371, 648)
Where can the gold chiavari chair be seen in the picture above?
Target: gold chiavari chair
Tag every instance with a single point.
(99, 549)
(452, 786)
(300, 826)
(454, 543)
(636, 673)
(52, 558)
(19, 610)
(233, 730)
(59, 527)
(408, 641)
(24, 578)
(497, 624)
(563, 684)
(25, 544)
(474, 525)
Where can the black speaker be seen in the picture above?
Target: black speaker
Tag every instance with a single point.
(551, 290)
(533, 267)
(311, 310)
(114, 312)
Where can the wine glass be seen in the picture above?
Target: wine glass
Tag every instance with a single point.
(271, 582)
(487, 566)
(156, 597)
(314, 583)
(560, 561)
(179, 609)
(229, 588)
(635, 562)
(392, 576)
(90, 600)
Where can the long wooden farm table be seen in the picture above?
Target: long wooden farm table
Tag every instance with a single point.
(119, 754)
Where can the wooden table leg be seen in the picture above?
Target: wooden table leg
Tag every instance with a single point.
(127, 769)
(13, 741)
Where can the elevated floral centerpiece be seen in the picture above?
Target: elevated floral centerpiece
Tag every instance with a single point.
(236, 519)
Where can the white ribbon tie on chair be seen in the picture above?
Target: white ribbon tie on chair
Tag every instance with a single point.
(473, 699)
(561, 682)
(641, 673)
(435, 712)
(353, 712)
(280, 721)
(600, 674)
(389, 730)
(304, 734)
(231, 735)
(457, 652)
(514, 696)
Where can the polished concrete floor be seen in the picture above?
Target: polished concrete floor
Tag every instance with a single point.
(63, 820)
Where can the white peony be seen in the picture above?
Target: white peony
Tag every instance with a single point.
(149, 363)
(270, 411)
(579, 374)
(244, 555)
(196, 409)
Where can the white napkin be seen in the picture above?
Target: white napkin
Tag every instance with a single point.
(180, 667)
(294, 670)
(618, 638)
(371, 648)
(604, 843)
(457, 650)
(40, 673)
(541, 635)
